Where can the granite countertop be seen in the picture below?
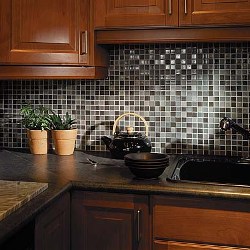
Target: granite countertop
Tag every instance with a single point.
(64, 173)
(14, 194)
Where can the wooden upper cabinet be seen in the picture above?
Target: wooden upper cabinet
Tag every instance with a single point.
(131, 13)
(170, 13)
(214, 12)
(45, 31)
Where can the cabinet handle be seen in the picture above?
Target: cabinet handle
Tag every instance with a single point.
(170, 7)
(84, 43)
(138, 236)
(185, 7)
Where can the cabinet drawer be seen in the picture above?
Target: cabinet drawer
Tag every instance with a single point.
(201, 220)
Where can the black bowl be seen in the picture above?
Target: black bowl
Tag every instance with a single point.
(146, 157)
(146, 173)
(146, 164)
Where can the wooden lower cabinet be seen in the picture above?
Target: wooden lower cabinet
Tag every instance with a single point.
(108, 221)
(195, 223)
(52, 226)
(88, 220)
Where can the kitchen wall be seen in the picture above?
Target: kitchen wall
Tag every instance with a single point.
(182, 90)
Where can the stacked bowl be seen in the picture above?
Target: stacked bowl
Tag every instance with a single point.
(146, 165)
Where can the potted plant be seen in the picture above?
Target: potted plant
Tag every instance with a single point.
(35, 120)
(63, 133)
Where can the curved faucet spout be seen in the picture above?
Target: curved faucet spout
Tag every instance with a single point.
(227, 123)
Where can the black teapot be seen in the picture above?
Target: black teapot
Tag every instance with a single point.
(127, 142)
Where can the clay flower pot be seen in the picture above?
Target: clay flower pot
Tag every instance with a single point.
(38, 141)
(64, 141)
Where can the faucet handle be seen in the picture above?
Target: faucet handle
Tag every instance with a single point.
(227, 123)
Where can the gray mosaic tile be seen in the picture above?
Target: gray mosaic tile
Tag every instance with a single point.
(182, 90)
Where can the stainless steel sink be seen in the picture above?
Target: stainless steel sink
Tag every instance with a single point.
(219, 170)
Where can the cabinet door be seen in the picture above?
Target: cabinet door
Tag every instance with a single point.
(214, 12)
(173, 245)
(131, 13)
(52, 227)
(44, 31)
(107, 221)
(109, 229)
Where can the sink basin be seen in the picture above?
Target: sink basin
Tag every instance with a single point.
(214, 171)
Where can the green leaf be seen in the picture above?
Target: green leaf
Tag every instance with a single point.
(35, 118)
(61, 122)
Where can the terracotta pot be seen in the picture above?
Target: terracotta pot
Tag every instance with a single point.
(64, 141)
(38, 141)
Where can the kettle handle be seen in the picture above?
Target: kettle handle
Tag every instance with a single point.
(134, 114)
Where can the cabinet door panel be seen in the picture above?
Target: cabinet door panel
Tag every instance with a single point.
(52, 228)
(108, 221)
(40, 28)
(108, 229)
(214, 12)
(133, 4)
(131, 13)
(44, 31)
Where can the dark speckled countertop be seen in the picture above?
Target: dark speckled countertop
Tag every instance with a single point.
(63, 173)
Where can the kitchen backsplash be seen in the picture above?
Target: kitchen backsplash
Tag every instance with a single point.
(182, 90)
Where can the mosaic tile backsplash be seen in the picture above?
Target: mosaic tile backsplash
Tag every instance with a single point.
(182, 90)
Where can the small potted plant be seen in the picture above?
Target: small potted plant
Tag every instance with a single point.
(63, 133)
(35, 120)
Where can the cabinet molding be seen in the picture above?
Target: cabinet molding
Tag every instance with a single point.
(52, 72)
(163, 35)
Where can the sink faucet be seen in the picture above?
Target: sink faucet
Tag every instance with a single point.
(227, 123)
